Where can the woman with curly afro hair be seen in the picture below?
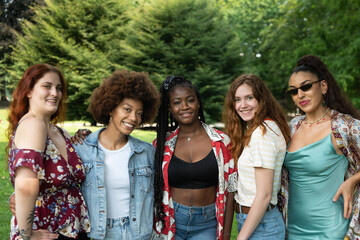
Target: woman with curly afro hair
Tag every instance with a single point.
(118, 188)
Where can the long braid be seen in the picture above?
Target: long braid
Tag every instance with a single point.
(162, 128)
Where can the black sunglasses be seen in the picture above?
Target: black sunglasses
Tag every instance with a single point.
(304, 88)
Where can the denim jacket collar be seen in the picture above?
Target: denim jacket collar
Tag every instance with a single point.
(135, 145)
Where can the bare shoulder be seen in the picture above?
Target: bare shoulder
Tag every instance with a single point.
(31, 133)
(66, 133)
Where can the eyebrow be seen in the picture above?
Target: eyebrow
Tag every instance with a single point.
(185, 97)
(245, 96)
(302, 83)
(130, 106)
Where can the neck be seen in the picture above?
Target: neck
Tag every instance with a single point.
(191, 129)
(112, 139)
(317, 114)
(44, 118)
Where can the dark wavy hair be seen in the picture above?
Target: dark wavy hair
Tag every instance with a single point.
(124, 84)
(335, 97)
(239, 130)
(166, 122)
(19, 104)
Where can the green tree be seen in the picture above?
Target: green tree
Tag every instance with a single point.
(328, 29)
(187, 38)
(12, 14)
(82, 37)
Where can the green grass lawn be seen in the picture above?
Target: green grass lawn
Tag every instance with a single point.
(5, 185)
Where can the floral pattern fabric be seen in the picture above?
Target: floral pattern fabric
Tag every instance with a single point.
(60, 206)
(227, 181)
(346, 131)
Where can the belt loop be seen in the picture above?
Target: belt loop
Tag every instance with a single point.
(176, 206)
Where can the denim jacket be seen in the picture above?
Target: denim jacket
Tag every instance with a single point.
(141, 175)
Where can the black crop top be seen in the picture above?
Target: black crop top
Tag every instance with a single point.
(201, 174)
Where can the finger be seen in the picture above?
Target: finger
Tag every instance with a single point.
(346, 208)
(336, 197)
(349, 210)
(73, 141)
(85, 132)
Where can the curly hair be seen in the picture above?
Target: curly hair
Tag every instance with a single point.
(19, 104)
(239, 130)
(124, 84)
(335, 97)
(162, 128)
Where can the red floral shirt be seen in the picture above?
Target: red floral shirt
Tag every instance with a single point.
(60, 206)
(227, 181)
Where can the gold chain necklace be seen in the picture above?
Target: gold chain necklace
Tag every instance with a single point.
(322, 118)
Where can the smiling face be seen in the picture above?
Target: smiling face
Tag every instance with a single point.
(46, 94)
(184, 105)
(246, 104)
(310, 100)
(126, 116)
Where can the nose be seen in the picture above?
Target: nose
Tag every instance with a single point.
(300, 93)
(53, 91)
(184, 105)
(243, 103)
(132, 116)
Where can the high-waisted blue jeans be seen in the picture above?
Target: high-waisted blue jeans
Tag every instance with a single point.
(195, 223)
(271, 227)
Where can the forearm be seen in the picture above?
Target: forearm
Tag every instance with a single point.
(355, 179)
(229, 215)
(257, 211)
(26, 190)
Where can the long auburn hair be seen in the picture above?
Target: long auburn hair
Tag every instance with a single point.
(335, 97)
(239, 130)
(164, 119)
(19, 104)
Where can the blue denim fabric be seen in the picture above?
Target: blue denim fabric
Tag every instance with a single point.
(195, 223)
(117, 228)
(141, 175)
(271, 227)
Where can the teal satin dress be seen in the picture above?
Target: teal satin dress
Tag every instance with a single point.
(315, 173)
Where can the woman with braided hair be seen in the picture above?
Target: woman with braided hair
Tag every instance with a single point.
(195, 175)
(322, 161)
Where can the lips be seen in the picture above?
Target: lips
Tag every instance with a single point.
(128, 125)
(184, 115)
(52, 101)
(303, 103)
(245, 112)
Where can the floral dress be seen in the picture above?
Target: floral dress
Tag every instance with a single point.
(60, 206)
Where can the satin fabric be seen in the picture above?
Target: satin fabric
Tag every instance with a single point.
(315, 173)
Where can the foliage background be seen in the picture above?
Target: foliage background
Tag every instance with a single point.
(209, 42)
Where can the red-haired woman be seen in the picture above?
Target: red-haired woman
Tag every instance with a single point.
(44, 167)
(258, 131)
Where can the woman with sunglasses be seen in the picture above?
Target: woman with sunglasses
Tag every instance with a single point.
(323, 157)
(195, 178)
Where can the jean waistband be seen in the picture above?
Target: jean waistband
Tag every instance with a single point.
(201, 210)
(113, 222)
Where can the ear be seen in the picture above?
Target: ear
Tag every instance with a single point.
(324, 86)
(29, 95)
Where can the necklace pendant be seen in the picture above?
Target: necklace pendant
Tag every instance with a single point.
(188, 139)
